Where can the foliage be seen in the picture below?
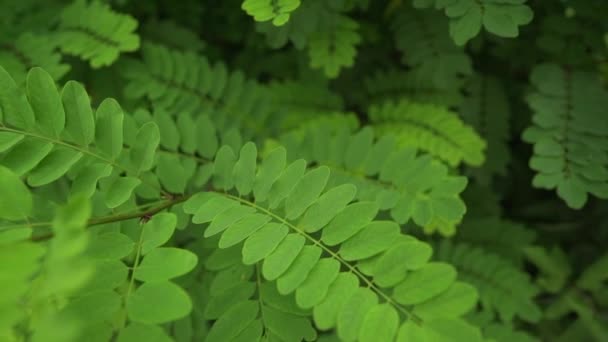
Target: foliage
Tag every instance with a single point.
(284, 170)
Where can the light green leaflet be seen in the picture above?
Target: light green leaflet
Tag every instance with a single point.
(157, 231)
(233, 322)
(165, 263)
(269, 171)
(299, 271)
(353, 313)
(380, 324)
(314, 289)
(16, 201)
(425, 283)
(326, 313)
(109, 128)
(45, 101)
(373, 239)
(158, 302)
(348, 222)
(110, 246)
(143, 151)
(456, 301)
(244, 169)
(143, 332)
(120, 190)
(79, 119)
(306, 191)
(327, 207)
(261, 243)
(281, 258)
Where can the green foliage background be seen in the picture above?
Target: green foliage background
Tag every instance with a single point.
(314, 170)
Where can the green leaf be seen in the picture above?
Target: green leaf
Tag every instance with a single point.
(25, 156)
(392, 266)
(233, 294)
(143, 332)
(439, 330)
(228, 218)
(270, 170)
(79, 118)
(353, 313)
(15, 109)
(165, 263)
(206, 137)
(143, 151)
(467, 26)
(171, 173)
(169, 133)
(425, 283)
(299, 270)
(253, 332)
(45, 101)
(16, 201)
(306, 192)
(573, 192)
(212, 208)
(86, 180)
(326, 313)
(286, 182)
(327, 207)
(53, 166)
(233, 322)
(224, 164)
(348, 222)
(263, 242)
(8, 140)
(315, 287)
(504, 20)
(109, 131)
(120, 191)
(110, 246)
(380, 324)
(456, 301)
(158, 231)
(158, 302)
(242, 229)
(286, 326)
(244, 169)
(282, 257)
(376, 237)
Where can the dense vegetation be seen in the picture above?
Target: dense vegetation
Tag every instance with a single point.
(314, 170)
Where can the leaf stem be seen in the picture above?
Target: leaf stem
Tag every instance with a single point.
(121, 217)
(333, 254)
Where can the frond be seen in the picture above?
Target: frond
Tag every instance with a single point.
(28, 51)
(183, 82)
(300, 102)
(467, 17)
(420, 36)
(95, 33)
(265, 10)
(238, 293)
(431, 128)
(395, 84)
(334, 46)
(569, 133)
(411, 187)
(301, 25)
(486, 108)
(46, 134)
(502, 237)
(503, 288)
(338, 260)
